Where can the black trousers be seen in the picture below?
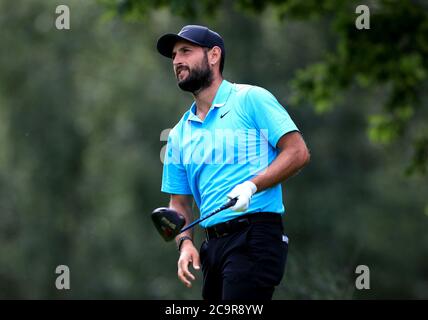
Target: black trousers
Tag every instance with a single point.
(246, 264)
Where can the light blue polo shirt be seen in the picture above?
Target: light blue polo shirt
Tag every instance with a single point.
(236, 141)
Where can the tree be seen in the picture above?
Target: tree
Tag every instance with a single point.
(390, 60)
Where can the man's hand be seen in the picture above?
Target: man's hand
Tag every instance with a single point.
(188, 254)
(244, 192)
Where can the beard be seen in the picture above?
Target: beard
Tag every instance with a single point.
(198, 78)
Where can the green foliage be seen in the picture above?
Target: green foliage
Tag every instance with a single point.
(311, 84)
(392, 55)
(136, 9)
(420, 157)
(81, 112)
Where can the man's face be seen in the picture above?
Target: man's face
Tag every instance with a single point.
(191, 67)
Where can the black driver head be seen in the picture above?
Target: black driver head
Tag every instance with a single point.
(168, 222)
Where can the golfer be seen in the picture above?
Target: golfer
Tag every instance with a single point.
(235, 141)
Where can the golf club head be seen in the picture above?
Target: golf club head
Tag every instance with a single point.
(168, 222)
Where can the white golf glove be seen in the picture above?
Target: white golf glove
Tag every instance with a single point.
(244, 192)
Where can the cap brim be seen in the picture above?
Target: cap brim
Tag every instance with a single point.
(167, 42)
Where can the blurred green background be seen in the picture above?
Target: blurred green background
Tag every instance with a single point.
(82, 110)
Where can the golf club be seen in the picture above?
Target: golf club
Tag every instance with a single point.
(170, 223)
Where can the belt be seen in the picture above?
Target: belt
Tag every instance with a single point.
(240, 223)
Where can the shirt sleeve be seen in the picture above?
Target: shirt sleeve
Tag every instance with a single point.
(268, 114)
(174, 176)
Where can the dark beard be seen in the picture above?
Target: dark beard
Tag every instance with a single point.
(198, 79)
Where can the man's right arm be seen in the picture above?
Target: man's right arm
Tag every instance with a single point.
(188, 253)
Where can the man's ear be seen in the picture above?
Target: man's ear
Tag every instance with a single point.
(215, 55)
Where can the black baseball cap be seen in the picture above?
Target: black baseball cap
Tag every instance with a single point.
(199, 35)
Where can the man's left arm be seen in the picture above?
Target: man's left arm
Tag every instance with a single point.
(268, 114)
(293, 156)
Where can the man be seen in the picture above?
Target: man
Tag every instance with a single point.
(236, 141)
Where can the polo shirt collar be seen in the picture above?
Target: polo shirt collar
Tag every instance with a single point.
(222, 95)
(220, 99)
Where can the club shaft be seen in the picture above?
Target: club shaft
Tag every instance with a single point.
(229, 204)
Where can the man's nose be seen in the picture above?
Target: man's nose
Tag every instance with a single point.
(176, 60)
